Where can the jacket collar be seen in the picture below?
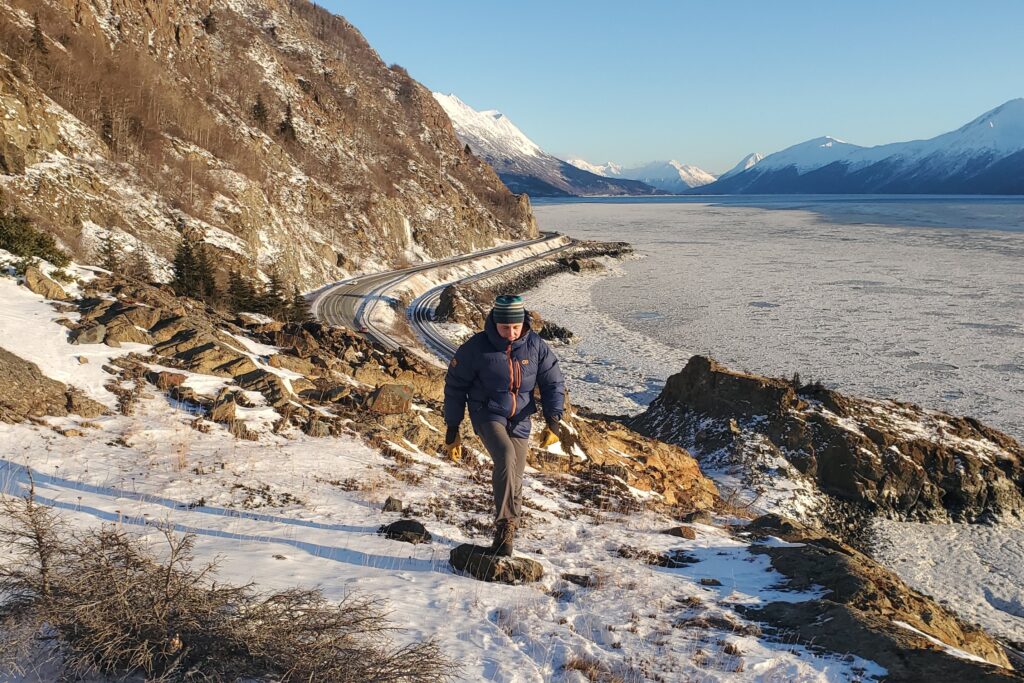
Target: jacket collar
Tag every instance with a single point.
(499, 342)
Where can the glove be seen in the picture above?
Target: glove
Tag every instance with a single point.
(551, 434)
(453, 444)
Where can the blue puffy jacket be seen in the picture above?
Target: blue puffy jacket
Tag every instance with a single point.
(495, 379)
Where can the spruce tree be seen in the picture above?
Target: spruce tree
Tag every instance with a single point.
(206, 274)
(273, 300)
(259, 111)
(138, 266)
(242, 294)
(299, 309)
(38, 39)
(109, 255)
(210, 22)
(286, 128)
(184, 281)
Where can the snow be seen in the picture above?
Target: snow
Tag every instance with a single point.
(671, 176)
(746, 162)
(948, 649)
(999, 133)
(28, 330)
(978, 570)
(489, 132)
(275, 512)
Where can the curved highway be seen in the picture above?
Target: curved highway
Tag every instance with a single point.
(351, 302)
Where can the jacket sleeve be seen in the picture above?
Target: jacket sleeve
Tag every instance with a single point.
(457, 382)
(551, 383)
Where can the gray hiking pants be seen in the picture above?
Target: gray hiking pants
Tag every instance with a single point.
(509, 456)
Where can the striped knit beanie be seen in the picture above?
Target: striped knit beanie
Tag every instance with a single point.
(508, 310)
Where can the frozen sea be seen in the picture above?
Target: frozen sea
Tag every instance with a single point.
(918, 299)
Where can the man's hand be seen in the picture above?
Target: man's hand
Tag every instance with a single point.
(453, 444)
(551, 434)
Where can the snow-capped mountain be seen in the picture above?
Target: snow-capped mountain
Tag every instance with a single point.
(745, 163)
(670, 176)
(521, 163)
(985, 156)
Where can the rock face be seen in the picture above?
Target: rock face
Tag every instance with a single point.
(270, 124)
(26, 392)
(881, 456)
(862, 604)
(483, 564)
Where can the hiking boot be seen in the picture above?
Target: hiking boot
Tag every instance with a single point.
(504, 535)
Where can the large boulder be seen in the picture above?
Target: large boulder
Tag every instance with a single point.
(90, 334)
(481, 563)
(44, 286)
(390, 399)
(25, 392)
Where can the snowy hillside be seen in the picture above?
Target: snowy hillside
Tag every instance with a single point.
(985, 156)
(521, 163)
(745, 163)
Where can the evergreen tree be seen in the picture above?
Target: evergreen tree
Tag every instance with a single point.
(286, 128)
(273, 302)
(299, 309)
(138, 266)
(184, 281)
(38, 39)
(242, 294)
(206, 274)
(109, 255)
(259, 111)
(467, 151)
(194, 269)
(210, 22)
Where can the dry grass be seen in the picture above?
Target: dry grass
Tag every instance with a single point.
(101, 603)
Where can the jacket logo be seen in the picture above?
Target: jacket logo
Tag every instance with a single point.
(454, 362)
(526, 361)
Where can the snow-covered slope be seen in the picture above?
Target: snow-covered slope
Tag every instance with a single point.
(746, 162)
(521, 163)
(670, 176)
(985, 156)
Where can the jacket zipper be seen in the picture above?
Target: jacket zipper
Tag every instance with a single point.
(511, 380)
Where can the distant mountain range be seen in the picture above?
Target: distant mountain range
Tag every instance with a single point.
(670, 176)
(986, 156)
(521, 164)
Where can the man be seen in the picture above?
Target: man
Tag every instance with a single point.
(494, 374)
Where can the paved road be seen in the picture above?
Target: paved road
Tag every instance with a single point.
(351, 302)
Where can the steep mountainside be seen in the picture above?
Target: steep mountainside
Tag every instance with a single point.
(521, 163)
(270, 124)
(985, 156)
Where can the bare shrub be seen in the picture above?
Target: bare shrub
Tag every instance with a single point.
(100, 602)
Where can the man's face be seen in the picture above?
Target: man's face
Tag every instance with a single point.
(510, 331)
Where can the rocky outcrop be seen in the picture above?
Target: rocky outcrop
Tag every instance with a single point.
(882, 456)
(25, 392)
(868, 611)
(44, 286)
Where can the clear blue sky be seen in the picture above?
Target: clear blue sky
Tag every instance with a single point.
(707, 82)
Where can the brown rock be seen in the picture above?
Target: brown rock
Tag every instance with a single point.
(686, 532)
(44, 286)
(25, 392)
(390, 399)
(165, 380)
(224, 408)
(863, 601)
(483, 564)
